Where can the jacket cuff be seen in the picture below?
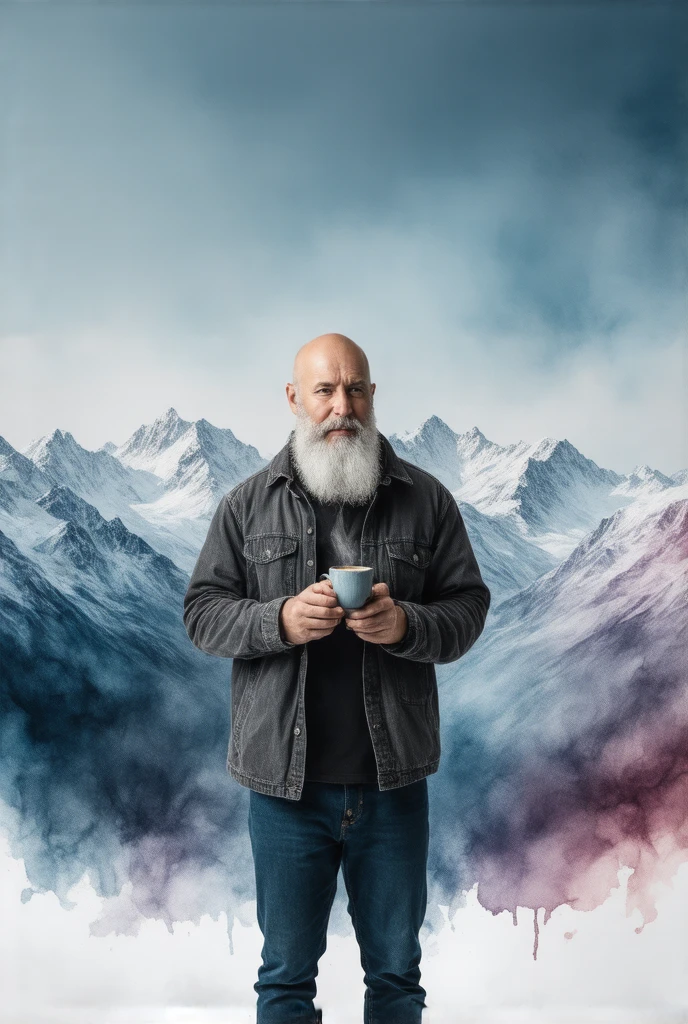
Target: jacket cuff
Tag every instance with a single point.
(412, 640)
(270, 626)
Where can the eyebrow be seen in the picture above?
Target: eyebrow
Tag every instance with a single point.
(329, 384)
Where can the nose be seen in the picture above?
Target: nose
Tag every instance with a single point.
(341, 405)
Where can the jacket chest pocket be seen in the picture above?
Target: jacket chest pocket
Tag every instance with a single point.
(408, 566)
(270, 565)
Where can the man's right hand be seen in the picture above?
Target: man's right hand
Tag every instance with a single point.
(311, 614)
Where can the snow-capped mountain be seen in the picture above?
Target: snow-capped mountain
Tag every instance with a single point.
(95, 476)
(163, 483)
(196, 463)
(644, 480)
(628, 575)
(96, 562)
(19, 477)
(550, 491)
(146, 447)
(508, 561)
(115, 490)
(84, 539)
(432, 446)
(526, 505)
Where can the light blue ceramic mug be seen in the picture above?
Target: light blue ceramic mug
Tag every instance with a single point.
(353, 584)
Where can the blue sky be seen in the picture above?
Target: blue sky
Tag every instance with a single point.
(487, 199)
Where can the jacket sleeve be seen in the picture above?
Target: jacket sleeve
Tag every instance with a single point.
(218, 617)
(447, 626)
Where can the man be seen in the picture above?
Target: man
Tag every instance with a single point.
(335, 717)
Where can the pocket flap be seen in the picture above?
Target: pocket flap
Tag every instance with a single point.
(269, 546)
(410, 551)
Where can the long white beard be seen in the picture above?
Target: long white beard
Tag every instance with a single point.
(342, 468)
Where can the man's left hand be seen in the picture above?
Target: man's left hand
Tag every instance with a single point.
(380, 620)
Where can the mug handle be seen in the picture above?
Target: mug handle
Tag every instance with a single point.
(325, 576)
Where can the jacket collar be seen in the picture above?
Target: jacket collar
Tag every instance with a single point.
(391, 465)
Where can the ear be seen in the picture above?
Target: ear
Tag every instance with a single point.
(291, 397)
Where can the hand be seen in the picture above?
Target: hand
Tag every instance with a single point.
(311, 614)
(380, 620)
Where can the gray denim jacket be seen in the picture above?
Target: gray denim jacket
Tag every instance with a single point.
(260, 550)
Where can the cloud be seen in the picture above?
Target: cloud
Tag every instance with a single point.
(189, 197)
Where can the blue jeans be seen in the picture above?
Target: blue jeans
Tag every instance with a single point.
(380, 838)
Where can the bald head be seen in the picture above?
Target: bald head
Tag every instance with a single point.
(325, 351)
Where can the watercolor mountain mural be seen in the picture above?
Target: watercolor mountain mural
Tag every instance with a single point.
(564, 730)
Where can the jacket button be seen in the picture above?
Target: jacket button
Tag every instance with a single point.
(297, 731)
(309, 562)
(309, 530)
(386, 480)
(415, 558)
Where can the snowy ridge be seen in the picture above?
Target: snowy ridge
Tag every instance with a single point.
(432, 446)
(146, 447)
(19, 477)
(526, 506)
(551, 493)
(96, 476)
(194, 464)
(508, 561)
(627, 579)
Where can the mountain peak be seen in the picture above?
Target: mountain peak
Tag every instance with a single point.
(432, 446)
(472, 443)
(62, 437)
(58, 444)
(152, 439)
(433, 427)
(433, 422)
(205, 430)
(545, 448)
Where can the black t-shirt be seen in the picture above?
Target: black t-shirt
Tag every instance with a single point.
(338, 743)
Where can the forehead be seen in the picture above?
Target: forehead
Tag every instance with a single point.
(333, 367)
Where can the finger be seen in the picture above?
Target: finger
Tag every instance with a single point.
(365, 632)
(370, 624)
(314, 613)
(369, 611)
(321, 587)
(319, 597)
